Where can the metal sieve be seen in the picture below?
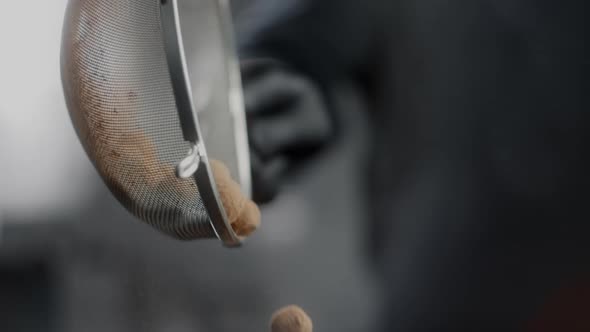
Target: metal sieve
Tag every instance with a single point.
(153, 90)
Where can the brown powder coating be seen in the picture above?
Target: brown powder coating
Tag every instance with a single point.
(243, 214)
(291, 319)
(141, 158)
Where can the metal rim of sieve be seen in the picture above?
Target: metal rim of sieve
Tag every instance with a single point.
(177, 63)
(181, 84)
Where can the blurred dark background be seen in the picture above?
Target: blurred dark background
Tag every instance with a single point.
(473, 161)
(72, 259)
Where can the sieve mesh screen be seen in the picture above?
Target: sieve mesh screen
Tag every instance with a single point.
(120, 97)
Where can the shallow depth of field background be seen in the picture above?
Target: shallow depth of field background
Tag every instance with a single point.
(72, 259)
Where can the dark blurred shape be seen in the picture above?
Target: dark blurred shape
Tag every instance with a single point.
(565, 309)
(28, 285)
(478, 170)
(288, 121)
(27, 297)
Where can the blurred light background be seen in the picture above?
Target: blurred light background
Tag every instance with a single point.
(72, 259)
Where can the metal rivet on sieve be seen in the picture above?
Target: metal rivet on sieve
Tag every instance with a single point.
(189, 165)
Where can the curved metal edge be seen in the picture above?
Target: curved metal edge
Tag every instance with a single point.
(64, 54)
(177, 64)
(236, 97)
(176, 59)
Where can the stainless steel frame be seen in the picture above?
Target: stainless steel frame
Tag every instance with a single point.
(188, 110)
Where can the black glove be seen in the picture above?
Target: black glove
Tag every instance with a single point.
(288, 120)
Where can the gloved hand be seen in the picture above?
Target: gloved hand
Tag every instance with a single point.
(291, 319)
(288, 120)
